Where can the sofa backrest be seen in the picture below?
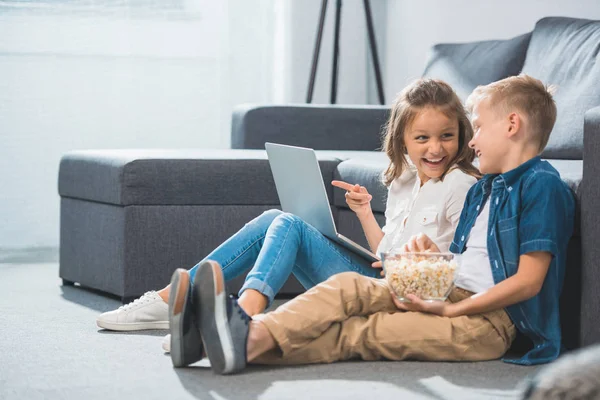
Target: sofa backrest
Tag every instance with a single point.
(467, 65)
(566, 52)
(321, 127)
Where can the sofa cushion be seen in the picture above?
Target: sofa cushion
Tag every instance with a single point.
(571, 171)
(179, 177)
(466, 65)
(366, 172)
(566, 52)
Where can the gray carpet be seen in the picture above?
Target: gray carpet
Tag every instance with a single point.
(50, 348)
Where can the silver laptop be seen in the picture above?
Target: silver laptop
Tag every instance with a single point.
(302, 192)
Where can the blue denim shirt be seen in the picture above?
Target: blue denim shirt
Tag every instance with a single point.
(531, 209)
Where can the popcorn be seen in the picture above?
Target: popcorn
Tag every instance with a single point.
(427, 275)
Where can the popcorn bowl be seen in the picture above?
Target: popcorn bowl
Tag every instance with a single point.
(429, 276)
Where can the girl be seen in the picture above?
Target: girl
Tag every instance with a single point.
(428, 176)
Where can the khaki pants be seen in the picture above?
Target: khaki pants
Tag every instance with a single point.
(352, 316)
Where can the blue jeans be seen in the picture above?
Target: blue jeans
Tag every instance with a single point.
(276, 244)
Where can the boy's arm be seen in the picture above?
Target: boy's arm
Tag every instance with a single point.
(522, 286)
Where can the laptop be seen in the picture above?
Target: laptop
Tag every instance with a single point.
(302, 192)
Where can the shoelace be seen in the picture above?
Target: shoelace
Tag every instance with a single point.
(239, 309)
(141, 300)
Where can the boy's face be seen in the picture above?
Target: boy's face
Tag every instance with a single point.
(489, 141)
(431, 142)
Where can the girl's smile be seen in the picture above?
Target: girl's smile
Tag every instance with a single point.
(432, 142)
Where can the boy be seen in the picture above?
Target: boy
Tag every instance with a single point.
(510, 243)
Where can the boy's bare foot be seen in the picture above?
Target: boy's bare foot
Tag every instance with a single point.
(259, 340)
(253, 302)
(164, 293)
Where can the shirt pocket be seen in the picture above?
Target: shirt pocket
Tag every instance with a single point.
(395, 217)
(427, 222)
(508, 238)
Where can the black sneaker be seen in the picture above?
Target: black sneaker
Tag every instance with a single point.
(186, 342)
(223, 323)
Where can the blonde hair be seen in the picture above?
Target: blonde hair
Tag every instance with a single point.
(527, 95)
(421, 94)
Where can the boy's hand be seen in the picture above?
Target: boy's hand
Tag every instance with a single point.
(420, 243)
(378, 264)
(440, 308)
(357, 197)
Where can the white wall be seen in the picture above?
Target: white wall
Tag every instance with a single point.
(106, 74)
(102, 74)
(414, 26)
(297, 46)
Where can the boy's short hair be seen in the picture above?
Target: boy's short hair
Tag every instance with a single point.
(526, 94)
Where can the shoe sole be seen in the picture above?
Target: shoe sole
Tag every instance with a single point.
(214, 326)
(180, 283)
(166, 345)
(134, 326)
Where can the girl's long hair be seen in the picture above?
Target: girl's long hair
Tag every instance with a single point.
(421, 94)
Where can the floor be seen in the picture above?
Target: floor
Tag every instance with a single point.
(51, 348)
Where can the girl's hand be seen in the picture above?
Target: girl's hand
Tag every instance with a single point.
(440, 308)
(378, 264)
(420, 243)
(357, 197)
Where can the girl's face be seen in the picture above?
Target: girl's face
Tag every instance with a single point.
(432, 142)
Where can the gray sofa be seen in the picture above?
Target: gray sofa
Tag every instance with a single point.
(130, 217)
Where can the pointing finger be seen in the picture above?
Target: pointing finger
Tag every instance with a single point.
(342, 185)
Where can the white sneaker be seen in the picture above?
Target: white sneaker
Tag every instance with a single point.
(166, 343)
(148, 312)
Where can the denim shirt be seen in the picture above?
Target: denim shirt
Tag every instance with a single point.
(531, 209)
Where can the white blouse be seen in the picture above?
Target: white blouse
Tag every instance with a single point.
(433, 208)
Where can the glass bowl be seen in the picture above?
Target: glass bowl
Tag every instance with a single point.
(429, 276)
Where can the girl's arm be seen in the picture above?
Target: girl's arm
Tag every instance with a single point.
(372, 230)
(359, 201)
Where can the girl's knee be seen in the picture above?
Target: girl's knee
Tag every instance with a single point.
(264, 220)
(289, 219)
(267, 217)
(271, 214)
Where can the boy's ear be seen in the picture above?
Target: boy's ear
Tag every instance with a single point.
(514, 124)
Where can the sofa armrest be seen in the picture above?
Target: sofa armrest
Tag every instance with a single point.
(590, 229)
(321, 127)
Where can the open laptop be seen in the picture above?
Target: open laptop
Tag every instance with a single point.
(302, 192)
